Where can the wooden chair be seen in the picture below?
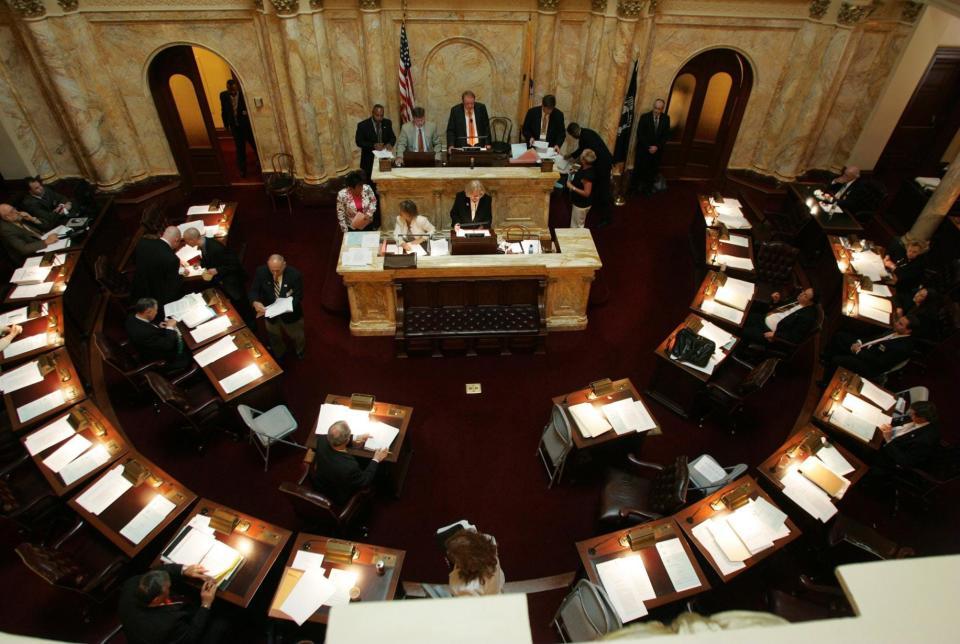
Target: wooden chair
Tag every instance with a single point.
(501, 128)
(316, 509)
(282, 182)
(629, 499)
(197, 406)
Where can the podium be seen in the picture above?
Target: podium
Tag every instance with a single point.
(473, 244)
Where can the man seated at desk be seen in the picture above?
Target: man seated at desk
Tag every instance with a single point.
(21, 234)
(847, 191)
(224, 270)
(472, 207)
(468, 125)
(336, 473)
(418, 135)
(50, 207)
(156, 341)
(791, 321)
(873, 358)
(907, 264)
(913, 439)
(412, 227)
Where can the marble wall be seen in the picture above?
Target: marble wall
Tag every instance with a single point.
(74, 90)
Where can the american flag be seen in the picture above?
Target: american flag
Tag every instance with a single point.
(406, 78)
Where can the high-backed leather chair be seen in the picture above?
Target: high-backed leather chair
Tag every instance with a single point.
(198, 406)
(628, 498)
(773, 262)
(26, 498)
(780, 348)
(114, 283)
(847, 531)
(316, 509)
(734, 384)
(124, 359)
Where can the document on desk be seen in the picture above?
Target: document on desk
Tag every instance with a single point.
(187, 252)
(677, 564)
(628, 415)
(15, 316)
(439, 248)
(382, 154)
(357, 257)
(306, 560)
(748, 528)
(204, 209)
(727, 539)
(589, 420)
(833, 459)
(191, 546)
(874, 314)
(177, 309)
(21, 377)
(740, 263)
(99, 496)
(67, 452)
(881, 290)
(57, 245)
(628, 585)
(45, 438)
(80, 467)
(863, 409)
(210, 328)
(309, 594)
(720, 337)
(850, 423)
(147, 519)
(241, 378)
(826, 479)
(737, 240)
(381, 435)
(869, 264)
(735, 293)
(331, 413)
(343, 581)
(702, 534)
(808, 496)
(280, 306)
(727, 202)
(32, 290)
(874, 302)
(358, 239)
(41, 405)
(30, 275)
(222, 347)
(27, 344)
(722, 311)
(877, 395)
(221, 560)
(197, 315)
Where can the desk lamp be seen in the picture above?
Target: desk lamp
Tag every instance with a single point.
(362, 402)
(341, 551)
(600, 388)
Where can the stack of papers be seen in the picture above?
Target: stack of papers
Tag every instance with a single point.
(204, 209)
(730, 214)
(49, 435)
(701, 532)
(808, 496)
(357, 257)
(739, 263)
(722, 311)
(875, 308)
(865, 410)
(34, 262)
(67, 452)
(187, 252)
(280, 306)
(99, 496)
(178, 309)
(197, 315)
(41, 405)
(241, 378)
(735, 293)
(381, 434)
(152, 514)
(20, 377)
(30, 275)
(869, 264)
(874, 393)
(589, 419)
(83, 465)
(210, 328)
(15, 316)
(628, 415)
(222, 347)
(748, 530)
(25, 345)
(310, 588)
(850, 423)
(199, 545)
(677, 563)
(57, 245)
(833, 459)
(32, 290)
(628, 585)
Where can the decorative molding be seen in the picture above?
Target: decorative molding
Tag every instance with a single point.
(285, 6)
(548, 5)
(600, 6)
(630, 8)
(28, 8)
(911, 10)
(852, 14)
(818, 8)
(316, 4)
(370, 4)
(69, 5)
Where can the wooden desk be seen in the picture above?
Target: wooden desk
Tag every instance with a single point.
(692, 516)
(678, 385)
(597, 550)
(59, 277)
(222, 306)
(708, 289)
(400, 452)
(850, 304)
(840, 223)
(43, 318)
(716, 249)
(223, 220)
(116, 516)
(373, 587)
(89, 422)
(622, 389)
(843, 257)
(844, 381)
(711, 218)
(58, 373)
(250, 350)
(259, 542)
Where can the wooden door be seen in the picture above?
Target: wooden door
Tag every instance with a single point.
(706, 104)
(185, 114)
(929, 121)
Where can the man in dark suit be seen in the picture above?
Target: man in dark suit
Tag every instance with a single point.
(870, 359)
(149, 615)
(233, 111)
(20, 234)
(908, 263)
(792, 321)
(911, 440)
(587, 139)
(374, 133)
(50, 207)
(849, 192)
(545, 123)
(336, 473)
(156, 341)
(472, 207)
(225, 271)
(277, 280)
(468, 124)
(653, 130)
(158, 267)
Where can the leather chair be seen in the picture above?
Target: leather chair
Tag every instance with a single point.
(112, 282)
(773, 262)
(198, 406)
(923, 487)
(501, 128)
(789, 224)
(26, 498)
(870, 198)
(153, 219)
(282, 182)
(811, 601)
(316, 509)
(780, 348)
(733, 386)
(629, 499)
(124, 359)
(847, 531)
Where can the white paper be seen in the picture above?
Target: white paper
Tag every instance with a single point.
(210, 328)
(357, 257)
(382, 154)
(737, 240)
(369, 239)
(188, 252)
(147, 519)
(31, 290)
(280, 306)
(25, 345)
(98, 497)
(881, 290)
(309, 594)
(222, 347)
(15, 316)
(850, 423)
(702, 534)
(30, 275)
(869, 264)
(874, 302)
(241, 378)
(722, 311)
(728, 540)
(192, 546)
(834, 460)
(85, 464)
(57, 245)
(874, 393)
(735, 293)
(306, 560)
(201, 522)
(741, 263)
(808, 496)
(220, 560)
(197, 315)
(627, 584)
(48, 436)
(677, 563)
(517, 149)
(864, 410)
(41, 405)
(628, 415)
(381, 435)
(772, 517)
(204, 209)
(874, 314)
(67, 452)
(358, 420)
(343, 581)
(20, 377)
(749, 529)
(439, 248)
(710, 469)
(589, 420)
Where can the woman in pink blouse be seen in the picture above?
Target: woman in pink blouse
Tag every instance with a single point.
(356, 204)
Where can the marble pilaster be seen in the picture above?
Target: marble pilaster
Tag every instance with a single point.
(938, 205)
(301, 58)
(373, 56)
(545, 42)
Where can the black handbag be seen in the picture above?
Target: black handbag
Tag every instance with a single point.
(692, 348)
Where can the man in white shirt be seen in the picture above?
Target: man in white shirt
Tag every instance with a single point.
(418, 135)
(873, 358)
(791, 321)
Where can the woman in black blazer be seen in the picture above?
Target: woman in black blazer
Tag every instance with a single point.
(472, 206)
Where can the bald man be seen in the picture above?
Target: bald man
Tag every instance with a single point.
(158, 267)
(21, 234)
(225, 271)
(272, 281)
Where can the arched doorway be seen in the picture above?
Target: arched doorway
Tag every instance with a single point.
(186, 83)
(706, 104)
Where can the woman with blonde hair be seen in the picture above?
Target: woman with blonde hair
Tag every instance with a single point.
(472, 207)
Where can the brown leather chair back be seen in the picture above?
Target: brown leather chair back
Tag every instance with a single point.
(315, 508)
(774, 262)
(153, 219)
(168, 393)
(52, 566)
(114, 354)
(110, 280)
(668, 489)
(757, 377)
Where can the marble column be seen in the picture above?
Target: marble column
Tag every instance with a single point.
(331, 143)
(592, 65)
(939, 204)
(371, 17)
(543, 69)
(621, 63)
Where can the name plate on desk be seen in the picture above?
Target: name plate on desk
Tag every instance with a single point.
(480, 245)
(400, 261)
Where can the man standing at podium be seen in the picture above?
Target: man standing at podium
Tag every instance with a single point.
(469, 124)
(545, 123)
(374, 133)
(418, 135)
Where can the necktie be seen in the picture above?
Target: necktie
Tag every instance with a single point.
(276, 286)
(543, 125)
(472, 131)
(29, 230)
(421, 147)
(376, 125)
(656, 122)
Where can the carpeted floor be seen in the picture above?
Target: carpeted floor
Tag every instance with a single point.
(475, 455)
